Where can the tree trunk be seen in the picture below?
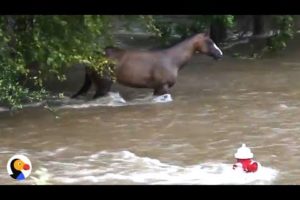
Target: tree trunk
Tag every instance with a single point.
(218, 31)
(258, 24)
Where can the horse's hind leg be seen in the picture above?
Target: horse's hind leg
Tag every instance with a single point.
(161, 90)
(102, 87)
(86, 86)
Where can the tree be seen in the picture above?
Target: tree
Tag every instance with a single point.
(36, 47)
(218, 31)
(258, 24)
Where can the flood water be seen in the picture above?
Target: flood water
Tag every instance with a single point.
(216, 107)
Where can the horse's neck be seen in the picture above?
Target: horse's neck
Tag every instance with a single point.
(181, 53)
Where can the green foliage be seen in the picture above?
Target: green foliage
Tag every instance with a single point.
(33, 48)
(203, 21)
(153, 26)
(103, 66)
(200, 23)
(285, 26)
(161, 30)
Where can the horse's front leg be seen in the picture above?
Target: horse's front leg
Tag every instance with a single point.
(164, 89)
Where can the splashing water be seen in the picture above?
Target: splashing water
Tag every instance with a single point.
(115, 100)
(125, 167)
(111, 100)
(43, 177)
(163, 98)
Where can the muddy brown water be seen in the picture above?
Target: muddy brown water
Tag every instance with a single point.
(216, 107)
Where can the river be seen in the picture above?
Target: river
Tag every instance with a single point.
(216, 107)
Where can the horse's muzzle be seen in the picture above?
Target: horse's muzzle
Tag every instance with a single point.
(216, 56)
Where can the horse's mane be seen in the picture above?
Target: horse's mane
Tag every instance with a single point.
(112, 49)
(174, 42)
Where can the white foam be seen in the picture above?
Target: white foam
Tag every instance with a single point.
(128, 168)
(115, 100)
(152, 171)
(42, 176)
(112, 99)
(3, 109)
(283, 106)
(163, 98)
(29, 105)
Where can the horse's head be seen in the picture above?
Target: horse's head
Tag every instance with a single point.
(204, 44)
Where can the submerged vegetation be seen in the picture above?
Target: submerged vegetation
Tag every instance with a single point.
(34, 48)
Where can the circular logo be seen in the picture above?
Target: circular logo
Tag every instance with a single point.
(19, 167)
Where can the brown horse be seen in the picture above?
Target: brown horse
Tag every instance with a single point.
(156, 69)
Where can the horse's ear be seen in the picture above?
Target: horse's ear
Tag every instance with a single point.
(207, 33)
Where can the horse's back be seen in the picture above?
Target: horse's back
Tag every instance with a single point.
(142, 68)
(135, 68)
(114, 52)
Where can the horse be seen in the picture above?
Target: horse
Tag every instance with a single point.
(154, 69)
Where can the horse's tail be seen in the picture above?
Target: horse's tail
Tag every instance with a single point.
(86, 85)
